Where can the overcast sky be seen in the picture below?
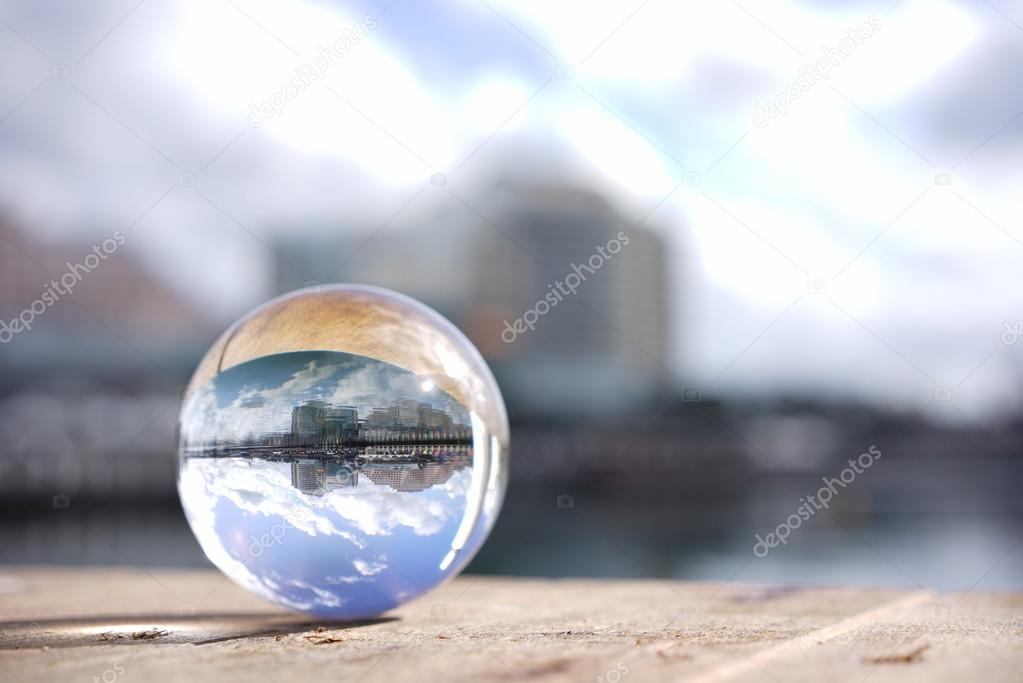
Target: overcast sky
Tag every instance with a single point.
(104, 106)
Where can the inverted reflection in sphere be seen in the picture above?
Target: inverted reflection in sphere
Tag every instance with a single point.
(342, 451)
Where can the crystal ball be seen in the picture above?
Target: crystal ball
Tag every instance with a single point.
(342, 450)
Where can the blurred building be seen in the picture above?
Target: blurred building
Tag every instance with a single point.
(99, 294)
(89, 394)
(601, 350)
(599, 347)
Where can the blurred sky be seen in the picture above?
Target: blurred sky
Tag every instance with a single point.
(104, 105)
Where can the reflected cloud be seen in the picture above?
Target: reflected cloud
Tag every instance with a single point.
(295, 464)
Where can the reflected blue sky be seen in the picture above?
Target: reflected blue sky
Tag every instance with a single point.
(336, 525)
(351, 553)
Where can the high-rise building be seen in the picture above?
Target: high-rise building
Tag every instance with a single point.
(411, 477)
(433, 418)
(408, 412)
(317, 478)
(499, 255)
(340, 423)
(340, 475)
(600, 348)
(308, 476)
(308, 420)
(383, 417)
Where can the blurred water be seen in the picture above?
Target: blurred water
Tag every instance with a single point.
(941, 530)
(708, 539)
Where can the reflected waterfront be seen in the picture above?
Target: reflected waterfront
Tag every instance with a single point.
(334, 483)
(406, 470)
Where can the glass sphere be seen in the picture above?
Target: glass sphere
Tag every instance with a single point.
(342, 450)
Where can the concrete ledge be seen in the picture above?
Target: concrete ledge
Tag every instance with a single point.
(158, 625)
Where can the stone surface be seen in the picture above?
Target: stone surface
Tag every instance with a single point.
(159, 625)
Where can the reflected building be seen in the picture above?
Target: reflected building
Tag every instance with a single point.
(308, 419)
(383, 417)
(408, 472)
(315, 422)
(316, 478)
(308, 476)
(341, 423)
(408, 444)
(408, 413)
(411, 477)
(320, 429)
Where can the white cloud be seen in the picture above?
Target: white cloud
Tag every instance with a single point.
(367, 568)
